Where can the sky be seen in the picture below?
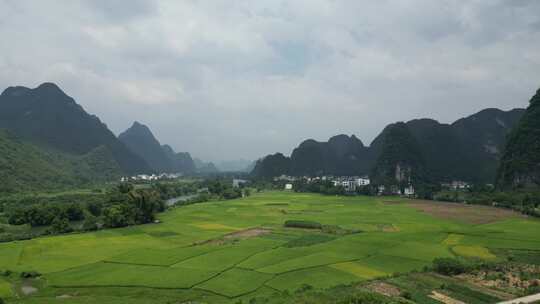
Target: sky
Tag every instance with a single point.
(232, 79)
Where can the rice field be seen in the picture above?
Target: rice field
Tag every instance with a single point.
(223, 252)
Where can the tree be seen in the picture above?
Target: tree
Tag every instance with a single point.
(125, 187)
(115, 216)
(90, 223)
(60, 225)
(448, 266)
(74, 212)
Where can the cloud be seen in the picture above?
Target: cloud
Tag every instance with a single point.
(240, 79)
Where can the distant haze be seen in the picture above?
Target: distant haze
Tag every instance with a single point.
(230, 80)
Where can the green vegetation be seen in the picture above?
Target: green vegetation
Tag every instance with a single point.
(401, 163)
(520, 163)
(25, 167)
(48, 118)
(303, 224)
(119, 207)
(239, 251)
(309, 240)
(468, 149)
(448, 266)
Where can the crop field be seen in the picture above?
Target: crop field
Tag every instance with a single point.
(227, 251)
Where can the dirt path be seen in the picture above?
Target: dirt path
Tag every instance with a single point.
(444, 298)
(528, 299)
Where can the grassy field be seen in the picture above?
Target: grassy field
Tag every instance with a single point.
(211, 253)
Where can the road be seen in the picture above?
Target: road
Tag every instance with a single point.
(528, 299)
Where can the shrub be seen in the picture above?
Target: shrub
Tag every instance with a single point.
(406, 294)
(303, 224)
(30, 274)
(60, 225)
(90, 223)
(448, 266)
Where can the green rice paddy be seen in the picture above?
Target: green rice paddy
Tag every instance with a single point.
(194, 253)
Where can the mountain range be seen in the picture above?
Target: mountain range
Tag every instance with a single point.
(48, 141)
(468, 149)
(161, 158)
(520, 163)
(47, 117)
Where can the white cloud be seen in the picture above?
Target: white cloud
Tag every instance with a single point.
(238, 79)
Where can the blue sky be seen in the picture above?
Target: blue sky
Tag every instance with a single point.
(230, 79)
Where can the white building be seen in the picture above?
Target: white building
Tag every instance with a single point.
(288, 186)
(363, 181)
(409, 191)
(238, 182)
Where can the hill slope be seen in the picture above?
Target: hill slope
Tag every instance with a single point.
(48, 117)
(181, 161)
(24, 166)
(468, 149)
(401, 159)
(520, 164)
(140, 140)
(340, 155)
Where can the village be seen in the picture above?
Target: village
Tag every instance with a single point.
(352, 184)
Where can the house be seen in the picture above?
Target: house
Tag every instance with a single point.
(349, 185)
(408, 191)
(236, 183)
(288, 186)
(363, 181)
(381, 189)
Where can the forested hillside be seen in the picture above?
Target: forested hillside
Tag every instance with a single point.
(468, 149)
(401, 161)
(520, 164)
(47, 117)
(25, 167)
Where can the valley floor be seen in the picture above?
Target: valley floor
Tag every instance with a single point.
(231, 251)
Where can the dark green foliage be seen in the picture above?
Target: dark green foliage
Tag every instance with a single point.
(125, 188)
(400, 162)
(135, 207)
(59, 225)
(468, 150)
(223, 189)
(309, 239)
(318, 186)
(25, 166)
(74, 212)
(140, 140)
(520, 164)
(30, 274)
(272, 165)
(406, 295)
(341, 155)
(48, 117)
(449, 266)
(303, 224)
(90, 223)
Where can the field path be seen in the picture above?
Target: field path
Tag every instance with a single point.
(528, 299)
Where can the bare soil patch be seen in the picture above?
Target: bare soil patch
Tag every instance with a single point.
(248, 233)
(444, 298)
(471, 214)
(388, 228)
(384, 289)
(235, 236)
(506, 279)
(28, 290)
